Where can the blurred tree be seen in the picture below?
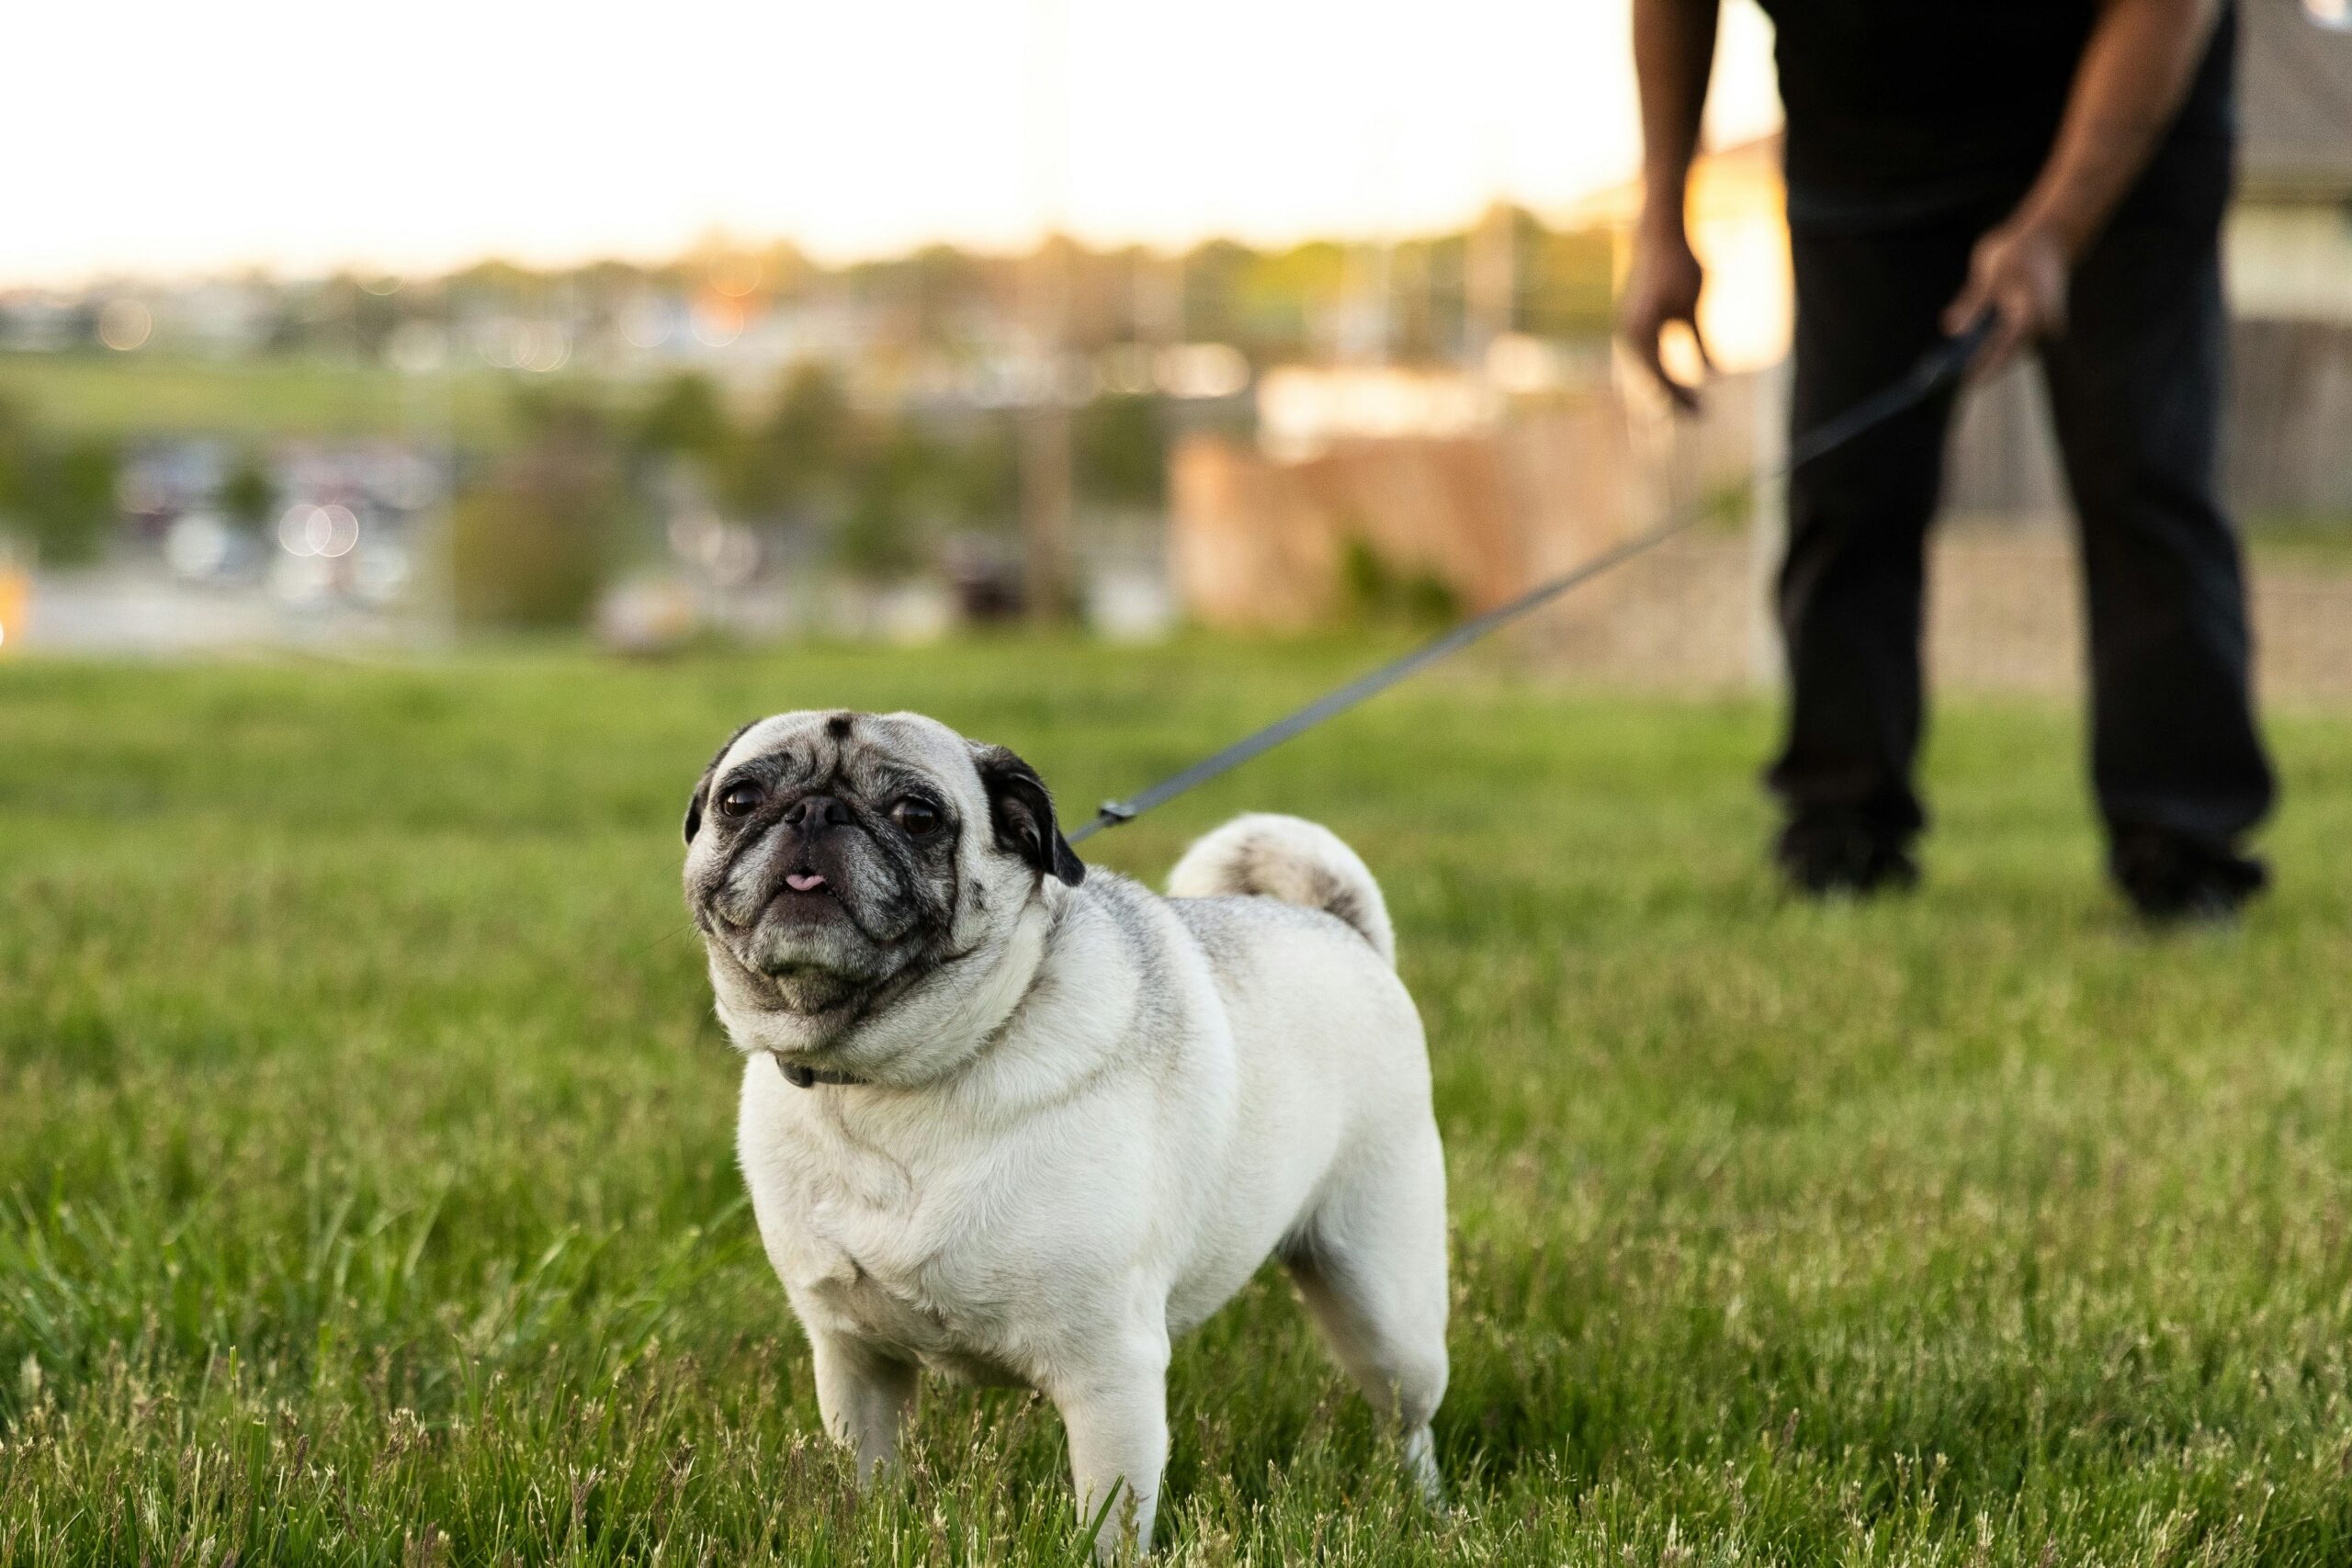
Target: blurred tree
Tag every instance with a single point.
(897, 491)
(58, 496)
(879, 538)
(248, 495)
(1213, 283)
(804, 447)
(533, 545)
(73, 506)
(1121, 452)
(943, 289)
(1569, 289)
(982, 482)
(1375, 592)
(685, 418)
(15, 441)
(561, 412)
(1282, 291)
(15, 474)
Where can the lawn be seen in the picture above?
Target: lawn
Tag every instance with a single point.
(365, 1191)
(257, 401)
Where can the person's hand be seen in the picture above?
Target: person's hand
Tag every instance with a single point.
(1661, 288)
(2018, 273)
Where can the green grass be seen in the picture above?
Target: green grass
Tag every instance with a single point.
(366, 1192)
(2319, 541)
(256, 399)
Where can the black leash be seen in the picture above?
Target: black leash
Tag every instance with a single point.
(1943, 363)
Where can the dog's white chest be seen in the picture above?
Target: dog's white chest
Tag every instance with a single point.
(865, 1247)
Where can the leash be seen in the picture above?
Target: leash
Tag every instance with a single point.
(1939, 365)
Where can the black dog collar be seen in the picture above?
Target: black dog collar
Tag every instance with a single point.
(806, 1078)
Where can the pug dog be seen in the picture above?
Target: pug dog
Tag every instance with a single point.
(1017, 1122)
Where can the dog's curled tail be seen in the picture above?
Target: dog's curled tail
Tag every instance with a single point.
(1290, 859)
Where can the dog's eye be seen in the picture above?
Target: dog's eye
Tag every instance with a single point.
(741, 800)
(917, 819)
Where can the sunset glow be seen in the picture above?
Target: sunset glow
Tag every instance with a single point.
(258, 132)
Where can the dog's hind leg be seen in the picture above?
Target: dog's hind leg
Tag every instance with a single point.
(1371, 1264)
(863, 1395)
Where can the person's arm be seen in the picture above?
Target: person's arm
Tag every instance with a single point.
(1674, 52)
(2134, 73)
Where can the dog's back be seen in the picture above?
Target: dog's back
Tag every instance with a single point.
(1335, 1097)
(1292, 860)
(1297, 934)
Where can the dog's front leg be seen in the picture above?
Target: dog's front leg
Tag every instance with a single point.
(863, 1395)
(1116, 1415)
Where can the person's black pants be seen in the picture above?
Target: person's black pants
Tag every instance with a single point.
(2135, 386)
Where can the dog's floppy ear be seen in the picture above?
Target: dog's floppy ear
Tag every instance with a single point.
(1021, 809)
(700, 797)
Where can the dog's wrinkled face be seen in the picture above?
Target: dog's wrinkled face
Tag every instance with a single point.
(836, 862)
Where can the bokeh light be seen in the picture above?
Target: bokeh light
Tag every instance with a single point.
(125, 324)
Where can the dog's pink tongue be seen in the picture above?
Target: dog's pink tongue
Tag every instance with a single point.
(799, 884)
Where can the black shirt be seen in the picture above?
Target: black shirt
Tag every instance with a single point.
(1905, 109)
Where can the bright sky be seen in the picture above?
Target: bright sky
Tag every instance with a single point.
(170, 138)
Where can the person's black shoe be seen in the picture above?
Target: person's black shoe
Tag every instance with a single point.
(2171, 878)
(1840, 857)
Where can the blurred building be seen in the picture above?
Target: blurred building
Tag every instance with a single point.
(1474, 481)
(1483, 477)
(2291, 236)
(2287, 268)
(2291, 270)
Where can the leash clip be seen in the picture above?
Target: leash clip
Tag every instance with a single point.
(1115, 813)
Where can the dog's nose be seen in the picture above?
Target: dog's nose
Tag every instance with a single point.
(813, 814)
